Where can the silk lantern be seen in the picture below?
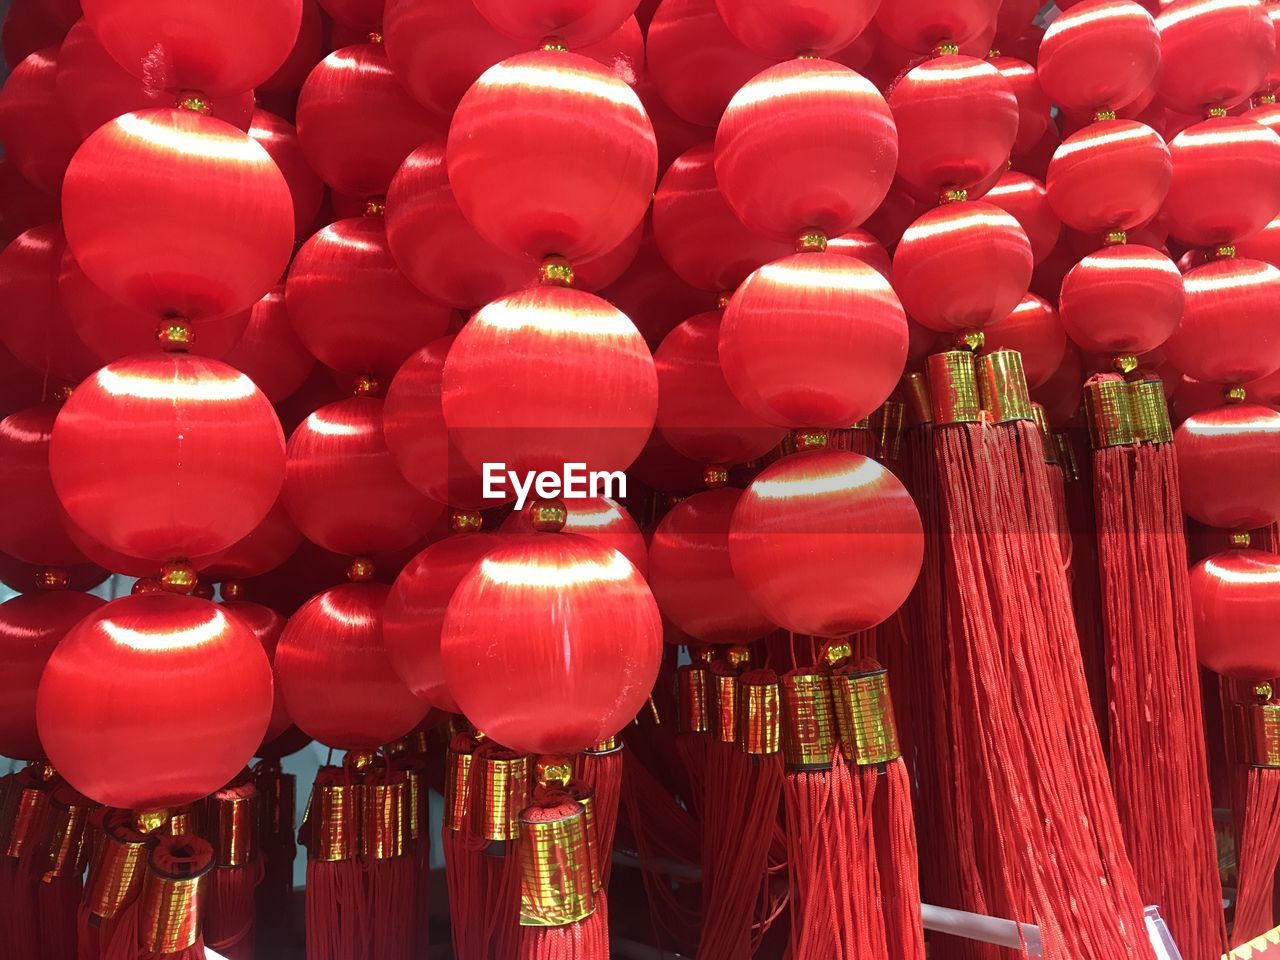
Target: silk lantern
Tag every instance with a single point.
(1025, 199)
(265, 547)
(1099, 55)
(31, 528)
(143, 658)
(596, 518)
(1228, 458)
(1230, 330)
(280, 139)
(1123, 299)
(1112, 175)
(1035, 331)
(38, 136)
(921, 25)
(269, 352)
(1212, 54)
(1033, 105)
(1206, 207)
(1234, 602)
(266, 625)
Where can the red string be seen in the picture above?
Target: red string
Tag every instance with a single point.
(229, 911)
(1259, 855)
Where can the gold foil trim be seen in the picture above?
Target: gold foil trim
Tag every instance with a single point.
(234, 811)
(811, 241)
(919, 405)
(68, 847)
(115, 876)
(29, 818)
(760, 714)
(1241, 539)
(170, 919)
(503, 792)
(586, 796)
(457, 781)
(334, 819)
(555, 871)
(1067, 456)
(556, 271)
(612, 745)
(864, 715)
(692, 681)
(724, 691)
(889, 422)
(382, 817)
(1262, 734)
(953, 387)
(1041, 418)
(415, 804)
(1151, 411)
(808, 721)
(1110, 409)
(1003, 386)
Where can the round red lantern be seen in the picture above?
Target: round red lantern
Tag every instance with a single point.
(268, 352)
(1230, 328)
(827, 542)
(31, 525)
(266, 625)
(334, 672)
(551, 643)
(1235, 605)
(31, 626)
(1212, 54)
(1229, 466)
(546, 377)
(1099, 55)
(1033, 105)
(1025, 199)
(596, 518)
(814, 340)
(269, 544)
(1034, 330)
(1125, 299)
(551, 154)
(1205, 205)
(154, 701)
(164, 456)
(279, 138)
(1112, 175)
(38, 135)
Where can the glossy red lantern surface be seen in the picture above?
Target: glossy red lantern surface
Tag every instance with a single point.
(1033, 105)
(862, 245)
(166, 455)
(265, 547)
(957, 119)
(308, 49)
(269, 351)
(206, 47)
(814, 340)
(31, 525)
(697, 412)
(962, 267)
(414, 614)
(786, 28)
(357, 123)
(27, 578)
(827, 542)
(1235, 604)
(552, 643)
(266, 625)
(337, 680)
(696, 64)
(1122, 300)
(1206, 206)
(1263, 245)
(920, 25)
(572, 21)
(596, 518)
(352, 307)
(1026, 200)
(1099, 55)
(31, 25)
(416, 435)
(279, 138)
(435, 246)
(1230, 329)
(549, 153)
(698, 235)
(1229, 466)
(1034, 330)
(1213, 54)
(549, 376)
(31, 625)
(176, 213)
(36, 131)
(1112, 175)
(113, 560)
(342, 488)
(806, 145)
(154, 701)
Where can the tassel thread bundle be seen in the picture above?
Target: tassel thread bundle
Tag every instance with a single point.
(234, 815)
(1258, 738)
(277, 794)
(62, 886)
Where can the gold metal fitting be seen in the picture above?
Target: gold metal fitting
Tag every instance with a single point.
(1241, 539)
(375, 207)
(556, 272)
(1262, 692)
(738, 657)
(365, 385)
(864, 717)
(26, 829)
(810, 439)
(334, 816)
(1261, 731)
(836, 653)
(383, 830)
(501, 782)
(235, 812)
(195, 102)
(554, 43)
(52, 578)
(178, 822)
(1124, 364)
(1102, 115)
(171, 894)
(953, 387)
(233, 590)
(811, 241)
(1115, 238)
(954, 195)
(466, 521)
(1234, 394)
(360, 570)
(760, 713)
(1041, 418)
(585, 794)
(1109, 405)
(604, 747)
(553, 771)
(548, 516)
(178, 576)
(692, 682)
(1265, 99)
(1226, 251)
(115, 876)
(724, 691)
(555, 866)
(1151, 411)
(808, 721)
(1003, 386)
(973, 340)
(1214, 113)
(175, 335)
(888, 422)
(702, 653)
(68, 833)
(457, 781)
(919, 405)
(723, 298)
(416, 803)
(277, 795)
(946, 49)
(1067, 456)
(713, 478)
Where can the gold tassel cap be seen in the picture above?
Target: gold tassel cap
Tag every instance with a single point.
(171, 894)
(502, 781)
(759, 713)
(864, 716)
(692, 683)
(1109, 406)
(556, 887)
(808, 721)
(1002, 385)
(953, 387)
(333, 817)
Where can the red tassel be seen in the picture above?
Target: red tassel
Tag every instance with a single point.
(62, 887)
(1158, 757)
(389, 869)
(600, 769)
(898, 861)
(693, 683)
(273, 898)
(1254, 747)
(229, 919)
(23, 865)
(170, 906)
(337, 921)
(108, 912)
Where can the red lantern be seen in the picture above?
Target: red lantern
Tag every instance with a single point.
(1229, 466)
(352, 307)
(114, 560)
(31, 526)
(154, 701)
(697, 412)
(698, 235)
(1112, 175)
(37, 133)
(806, 145)
(1060, 394)
(269, 352)
(31, 625)
(269, 544)
(1125, 299)
(549, 153)
(1235, 605)
(786, 28)
(1099, 55)
(1230, 329)
(571, 21)
(1263, 245)
(206, 47)
(692, 578)
(176, 213)
(962, 267)
(551, 643)
(1033, 105)
(957, 119)
(1034, 330)
(415, 610)
(1206, 207)
(697, 65)
(280, 139)
(861, 245)
(1026, 200)
(163, 456)
(827, 542)
(1212, 54)
(342, 488)
(814, 340)
(266, 625)
(546, 377)
(357, 123)
(596, 518)
(920, 25)
(333, 670)
(308, 49)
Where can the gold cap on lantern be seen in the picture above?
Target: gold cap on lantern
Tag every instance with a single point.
(333, 816)
(457, 781)
(171, 894)
(383, 802)
(235, 814)
(919, 406)
(115, 875)
(68, 846)
(503, 780)
(466, 521)
(1151, 411)
(724, 702)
